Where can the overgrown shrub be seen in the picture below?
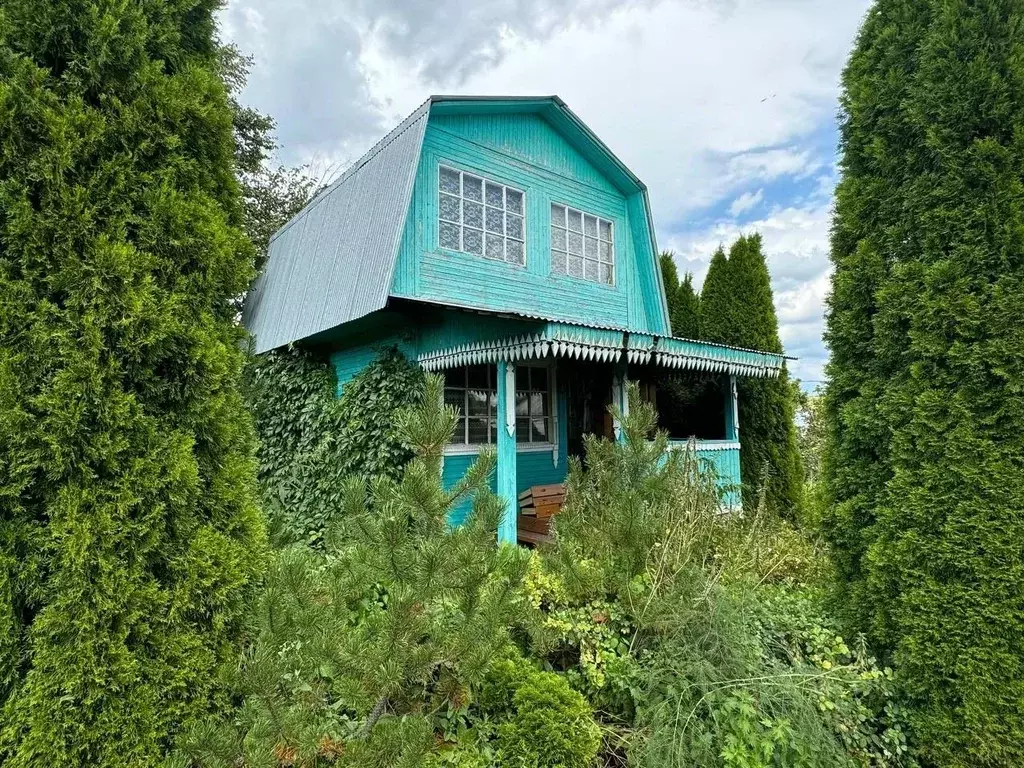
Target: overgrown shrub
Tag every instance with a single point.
(312, 441)
(361, 650)
(657, 607)
(540, 720)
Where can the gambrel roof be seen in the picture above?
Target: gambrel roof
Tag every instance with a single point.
(335, 261)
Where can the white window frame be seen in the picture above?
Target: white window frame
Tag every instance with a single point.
(465, 448)
(584, 258)
(485, 234)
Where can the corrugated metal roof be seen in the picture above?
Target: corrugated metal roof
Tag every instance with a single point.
(334, 261)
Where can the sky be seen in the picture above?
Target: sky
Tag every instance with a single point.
(725, 108)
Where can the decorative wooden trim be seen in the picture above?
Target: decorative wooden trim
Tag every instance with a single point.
(603, 345)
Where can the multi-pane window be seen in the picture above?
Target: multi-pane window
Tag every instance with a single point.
(533, 405)
(474, 390)
(581, 245)
(481, 217)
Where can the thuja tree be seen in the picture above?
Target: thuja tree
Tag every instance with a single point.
(128, 524)
(686, 317)
(312, 441)
(925, 406)
(669, 280)
(737, 308)
(363, 650)
(683, 304)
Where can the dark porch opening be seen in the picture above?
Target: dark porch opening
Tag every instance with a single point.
(688, 404)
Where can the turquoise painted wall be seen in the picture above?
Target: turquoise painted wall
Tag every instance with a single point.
(414, 331)
(524, 151)
(726, 466)
(430, 329)
(532, 467)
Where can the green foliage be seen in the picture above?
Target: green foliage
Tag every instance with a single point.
(549, 725)
(634, 520)
(811, 434)
(737, 309)
(669, 280)
(860, 701)
(361, 652)
(270, 195)
(311, 441)
(719, 318)
(925, 410)
(129, 529)
(695, 635)
(686, 318)
(683, 303)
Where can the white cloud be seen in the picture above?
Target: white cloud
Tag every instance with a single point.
(697, 98)
(746, 201)
(796, 249)
(710, 102)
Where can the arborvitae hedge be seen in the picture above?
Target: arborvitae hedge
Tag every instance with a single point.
(683, 304)
(129, 531)
(717, 307)
(686, 317)
(737, 308)
(926, 403)
(670, 280)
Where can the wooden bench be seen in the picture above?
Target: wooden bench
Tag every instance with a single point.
(537, 505)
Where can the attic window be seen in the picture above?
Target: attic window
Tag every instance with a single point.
(479, 216)
(582, 245)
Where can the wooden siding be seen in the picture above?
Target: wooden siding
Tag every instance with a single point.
(415, 331)
(533, 467)
(725, 462)
(524, 151)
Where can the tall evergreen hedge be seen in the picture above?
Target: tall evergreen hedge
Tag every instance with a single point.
(683, 304)
(736, 307)
(925, 405)
(129, 531)
(686, 317)
(670, 281)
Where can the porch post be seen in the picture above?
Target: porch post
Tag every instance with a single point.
(506, 425)
(732, 413)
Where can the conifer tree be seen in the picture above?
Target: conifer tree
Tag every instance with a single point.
(686, 318)
(737, 308)
(683, 306)
(670, 280)
(925, 407)
(128, 526)
(717, 307)
(360, 650)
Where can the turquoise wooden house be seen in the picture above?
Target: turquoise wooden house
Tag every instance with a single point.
(498, 241)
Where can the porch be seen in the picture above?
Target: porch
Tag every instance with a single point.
(535, 396)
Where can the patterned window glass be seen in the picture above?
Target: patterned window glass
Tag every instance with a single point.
(481, 217)
(581, 245)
